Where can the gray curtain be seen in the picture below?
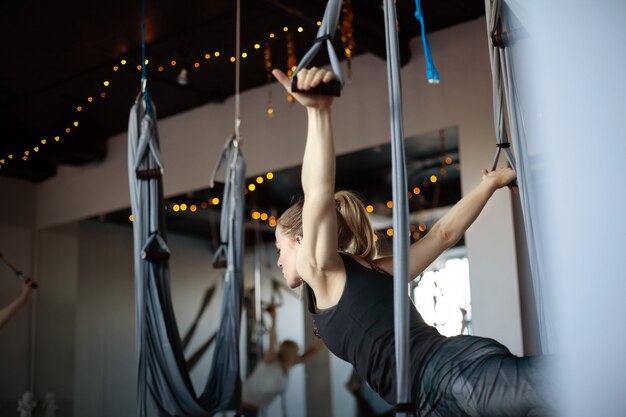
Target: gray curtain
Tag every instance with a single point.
(163, 384)
(507, 107)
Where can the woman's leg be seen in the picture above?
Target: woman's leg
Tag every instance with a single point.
(479, 377)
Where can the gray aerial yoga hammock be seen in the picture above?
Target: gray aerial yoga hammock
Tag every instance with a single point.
(505, 93)
(164, 386)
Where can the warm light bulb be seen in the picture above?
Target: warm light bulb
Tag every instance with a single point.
(138, 67)
(57, 138)
(115, 68)
(244, 55)
(272, 35)
(146, 62)
(251, 187)
(123, 61)
(269, 175)
(390, 204)
(264, 216)
(90, 99)
(79, 108)
(272, 222)
(257, 46)
(106, 83)
(433, 179)
(175, 207)
(196, 64)
(417, 190)
(103, 95)
(215, 201)
(259, 180)
(203, 205)
(369, 208)
(422, 227)
(300, 29)
(173, 63)
(36, 149)
(160, 69)
(193, 208)
(26, 153)
(285, 29)
(319, 23)
(256, 215)
(217, 53)
(232, 59)
(389, 232)
(130, 217)
(183, 207)
(43, 141)
(67, 130)
(207, 56)
(76, 124)
(10, 156)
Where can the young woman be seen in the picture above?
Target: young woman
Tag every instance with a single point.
(269, 378)
(326, 243)
(11, 310)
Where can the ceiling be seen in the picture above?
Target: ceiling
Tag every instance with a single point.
(57, 55)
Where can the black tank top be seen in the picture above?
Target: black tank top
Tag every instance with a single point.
(359, 329)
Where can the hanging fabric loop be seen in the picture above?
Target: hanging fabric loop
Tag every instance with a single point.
(325, 34)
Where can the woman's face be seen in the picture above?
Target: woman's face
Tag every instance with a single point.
(287, 248)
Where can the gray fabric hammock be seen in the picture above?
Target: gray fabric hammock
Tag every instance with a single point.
(164, 387)
(506, 98)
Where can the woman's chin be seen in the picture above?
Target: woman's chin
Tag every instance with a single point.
(294, 284)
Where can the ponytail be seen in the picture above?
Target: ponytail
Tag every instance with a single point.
(355, 234)
(354, 230)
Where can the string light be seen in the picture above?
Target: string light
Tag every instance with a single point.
(251, 187)
(130, 217)
(417, 190)
(256, 215)
(193, 208)
(269, 175)
(422, 227)
(389, 232)
(389, 204)
(161, 68)
(259, 180)
(215, 201)
(264, 216)
(176, 207)
(183, 207)
(433, 179)
(369, 208)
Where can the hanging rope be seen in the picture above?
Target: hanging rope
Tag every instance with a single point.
(400, 215)
(325, 33)
(431, 72)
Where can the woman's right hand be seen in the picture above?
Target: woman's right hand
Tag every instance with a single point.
(307, 79)
(27, 288)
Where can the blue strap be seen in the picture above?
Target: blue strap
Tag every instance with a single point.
(431, 72)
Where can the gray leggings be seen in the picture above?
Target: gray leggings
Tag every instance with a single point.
(468, 376)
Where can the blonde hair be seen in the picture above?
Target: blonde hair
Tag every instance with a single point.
(355, 234)
(285, 346)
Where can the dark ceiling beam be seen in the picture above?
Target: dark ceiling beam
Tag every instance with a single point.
(31, 170)
(368, 37)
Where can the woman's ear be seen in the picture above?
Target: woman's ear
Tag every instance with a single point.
(299, 240)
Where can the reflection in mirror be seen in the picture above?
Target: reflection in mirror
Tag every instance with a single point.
(98, 322)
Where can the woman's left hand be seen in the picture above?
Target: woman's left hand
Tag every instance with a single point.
(499, 178)
(307, 79)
